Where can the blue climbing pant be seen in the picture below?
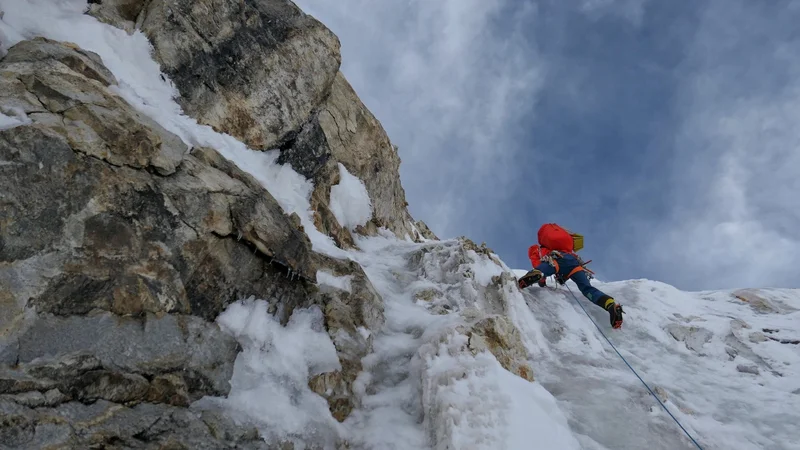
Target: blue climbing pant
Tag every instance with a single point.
(566, 264)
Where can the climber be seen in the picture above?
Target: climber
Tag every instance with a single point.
(555, 255)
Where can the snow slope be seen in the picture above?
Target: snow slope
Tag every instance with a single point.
(730, 383)
(726, 367)
(726, 364)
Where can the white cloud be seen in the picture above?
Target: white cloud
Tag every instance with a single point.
(447, 79)
(737, 179)
(632, 10)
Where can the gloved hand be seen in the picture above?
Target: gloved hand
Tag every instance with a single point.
(533, 276)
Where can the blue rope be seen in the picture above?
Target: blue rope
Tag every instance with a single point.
(632, 369)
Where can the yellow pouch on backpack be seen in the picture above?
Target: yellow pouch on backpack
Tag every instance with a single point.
(577, 241)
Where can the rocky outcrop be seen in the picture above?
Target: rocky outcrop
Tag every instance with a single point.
(356, 139)
(425, 232)
(350, 318)
(501, 338)
(120, 13)
(104, 424)
(120, 246)
(127, 245)
(254, 69)
(693, 337)
(121, 217)
(266, 73)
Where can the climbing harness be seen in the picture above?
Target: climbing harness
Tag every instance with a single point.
(552, 258)
(633, 370)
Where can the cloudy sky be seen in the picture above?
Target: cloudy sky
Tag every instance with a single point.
(667, 132)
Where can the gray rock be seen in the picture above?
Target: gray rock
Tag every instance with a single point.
(500, 336)
(70, 366)
(348, 315)
(72, 83)
(306, 150)
(748, 368)
(170, 388)
(255, 69)
(693, 337)
(267, 74)
(757, 302)
(17, 382)
(426, 232)
(116, 236)
(128, 246)
(17, 424)
(112, 386)
(358, 141)
(119, 13)
(31, 399)
(86, 63)
(104, 424)
(151, 346)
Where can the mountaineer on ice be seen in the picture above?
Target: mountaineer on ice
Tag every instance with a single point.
(555, 255)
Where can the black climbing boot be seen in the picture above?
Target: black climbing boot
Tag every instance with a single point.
(615, 311)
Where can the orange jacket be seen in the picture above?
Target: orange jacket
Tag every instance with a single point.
(535, 254)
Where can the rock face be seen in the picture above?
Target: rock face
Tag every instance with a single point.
(356, 139)
(128, 246)
(119, 216)
(104, 424)
(255, 69)
(119, 245)
(120, 13)
(267, 74)
(349, 317)
(500, 337)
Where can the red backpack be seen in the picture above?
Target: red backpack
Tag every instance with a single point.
(554, 237)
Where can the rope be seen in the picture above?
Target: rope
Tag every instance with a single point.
(632, 369)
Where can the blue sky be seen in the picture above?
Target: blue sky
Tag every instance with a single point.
(664, 131)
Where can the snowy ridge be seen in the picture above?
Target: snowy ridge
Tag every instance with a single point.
(423, 387)
(727, 364)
